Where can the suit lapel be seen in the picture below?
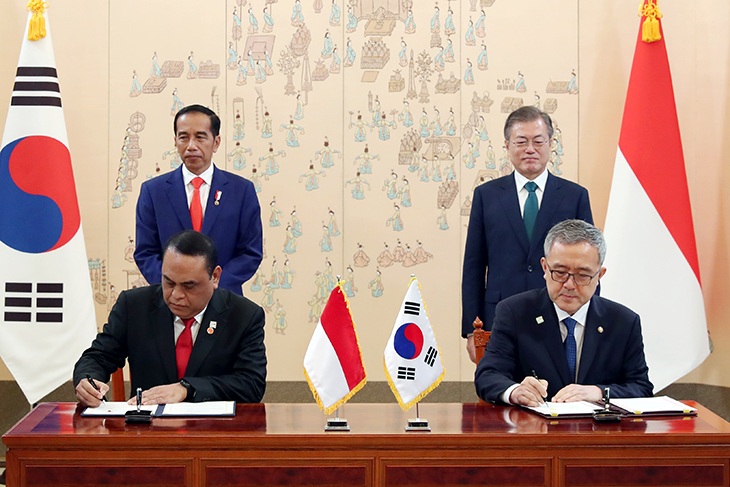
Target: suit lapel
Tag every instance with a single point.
(549, 332)
(220, 180)
(175, 190)
(161, 321)
(217, 312)
(591, 337)
(511, 206)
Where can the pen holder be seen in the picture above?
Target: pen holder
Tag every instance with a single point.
(138, 417)
(606, 416)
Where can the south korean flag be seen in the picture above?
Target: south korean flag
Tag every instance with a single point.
(412, 358)
(47, 316)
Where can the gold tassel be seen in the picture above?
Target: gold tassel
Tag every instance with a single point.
(650, 31)
(37, 27)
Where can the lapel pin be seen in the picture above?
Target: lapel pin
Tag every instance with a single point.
(540, 320)
(600, 329)
(211, 327)
(218, 199)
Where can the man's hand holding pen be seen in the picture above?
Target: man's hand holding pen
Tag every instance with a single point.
(531, 392)
(91, 393)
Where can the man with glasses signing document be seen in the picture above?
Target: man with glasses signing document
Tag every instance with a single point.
(563, 342)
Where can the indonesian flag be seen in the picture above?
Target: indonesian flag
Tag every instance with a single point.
(46, 309)
(652, 256)
(412, 359)
(333, 363)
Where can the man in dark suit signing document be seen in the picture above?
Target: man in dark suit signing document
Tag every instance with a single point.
(186, 339)
(563, 341)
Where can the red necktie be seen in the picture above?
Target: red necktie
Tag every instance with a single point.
(196, 209)
(184, 347)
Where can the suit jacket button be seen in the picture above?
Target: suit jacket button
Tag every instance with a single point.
(529, 268)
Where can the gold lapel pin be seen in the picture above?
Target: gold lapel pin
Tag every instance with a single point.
(600, 329)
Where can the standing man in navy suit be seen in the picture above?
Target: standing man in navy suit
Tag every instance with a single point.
(223, 206)
(563, 341)
(510, 217)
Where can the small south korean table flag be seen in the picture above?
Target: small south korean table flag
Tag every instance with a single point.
(412, 358)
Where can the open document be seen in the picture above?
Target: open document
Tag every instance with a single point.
(652, 406)
(578, 409)
(209, 408)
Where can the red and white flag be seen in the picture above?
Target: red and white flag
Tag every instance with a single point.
(652, 255)
(46, 308)
(333, 362)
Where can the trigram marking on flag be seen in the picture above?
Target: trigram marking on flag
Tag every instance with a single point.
(22, 304)
(411, 308)
(36, 86)
(406, 373)
(430, 356)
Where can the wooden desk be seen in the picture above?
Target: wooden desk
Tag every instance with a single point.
(284, 444)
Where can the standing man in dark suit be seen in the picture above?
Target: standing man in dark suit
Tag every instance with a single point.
(186, 339)
(510, 217)
(201, 197)
(574, 341)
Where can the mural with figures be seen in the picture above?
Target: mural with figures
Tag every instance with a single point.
(365, 126)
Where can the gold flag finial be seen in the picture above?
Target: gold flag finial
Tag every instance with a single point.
(37, 27)
(650, 31)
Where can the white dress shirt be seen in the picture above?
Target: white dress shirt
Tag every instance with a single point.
(522, 193)
(179, 326)
(204, 188)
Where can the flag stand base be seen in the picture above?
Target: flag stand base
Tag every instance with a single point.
(337, 424)
(418, 424)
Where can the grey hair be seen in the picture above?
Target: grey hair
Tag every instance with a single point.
(527, 114)
(576, 231)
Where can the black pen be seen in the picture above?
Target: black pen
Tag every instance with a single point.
(139, 399)
(93, 384)
(534, 374)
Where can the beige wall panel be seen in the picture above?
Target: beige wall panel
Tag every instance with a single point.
(545, 41)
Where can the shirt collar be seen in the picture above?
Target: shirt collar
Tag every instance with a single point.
(579, 316)
(520, 180)
(189, 176)
(198, 317)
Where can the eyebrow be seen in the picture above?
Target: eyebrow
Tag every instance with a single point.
(563, 267)
(185, 132)
(181, 283)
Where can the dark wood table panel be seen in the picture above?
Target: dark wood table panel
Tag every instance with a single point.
(286, 445)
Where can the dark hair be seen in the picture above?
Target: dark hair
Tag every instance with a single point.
(215, 122)
(527, 114)
(195, 244)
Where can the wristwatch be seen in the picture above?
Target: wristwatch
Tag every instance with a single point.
(189, 388)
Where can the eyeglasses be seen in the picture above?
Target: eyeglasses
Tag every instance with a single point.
(537, 143)
(578, 279)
